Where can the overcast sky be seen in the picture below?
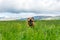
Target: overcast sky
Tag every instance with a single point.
(25, 8)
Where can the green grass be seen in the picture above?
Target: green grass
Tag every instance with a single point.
(18, 30)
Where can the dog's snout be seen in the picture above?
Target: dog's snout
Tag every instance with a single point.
(30, 19)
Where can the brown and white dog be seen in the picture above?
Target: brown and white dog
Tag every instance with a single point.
(30, 21)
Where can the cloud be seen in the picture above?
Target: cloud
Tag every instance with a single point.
(16, 9)
(16, 6)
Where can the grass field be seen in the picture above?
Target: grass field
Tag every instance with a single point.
(18, 30)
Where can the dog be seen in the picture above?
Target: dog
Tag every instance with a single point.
(30, 21)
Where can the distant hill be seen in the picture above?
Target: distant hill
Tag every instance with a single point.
(41, 17)
(54, 18)
(35, 17)
(44, 18)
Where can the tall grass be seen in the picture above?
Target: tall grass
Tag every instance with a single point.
(18, 30)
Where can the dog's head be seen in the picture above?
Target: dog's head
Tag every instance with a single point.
(30, 21)
(30, 18)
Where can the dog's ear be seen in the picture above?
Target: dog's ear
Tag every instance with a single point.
(33, 18)
(28, 19)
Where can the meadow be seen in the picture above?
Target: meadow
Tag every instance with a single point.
(18, 30)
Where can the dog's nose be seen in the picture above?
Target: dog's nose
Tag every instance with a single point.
(30, 19)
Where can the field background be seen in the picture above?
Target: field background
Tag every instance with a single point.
(18, 30)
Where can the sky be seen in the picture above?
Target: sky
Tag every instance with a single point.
(27, 8)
